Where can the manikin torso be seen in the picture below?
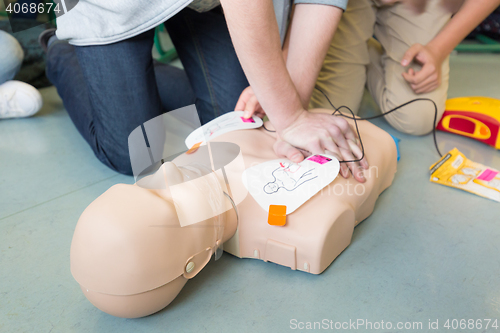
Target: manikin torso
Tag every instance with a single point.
(306, 243)
(313, 236)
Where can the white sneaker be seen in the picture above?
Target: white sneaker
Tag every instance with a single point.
(19, 99)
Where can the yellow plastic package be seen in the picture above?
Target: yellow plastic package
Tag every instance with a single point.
(455, 170)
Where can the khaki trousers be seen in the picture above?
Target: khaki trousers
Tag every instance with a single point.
(355, 58)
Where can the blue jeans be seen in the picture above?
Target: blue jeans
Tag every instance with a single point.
(109, 90)
(11, 57)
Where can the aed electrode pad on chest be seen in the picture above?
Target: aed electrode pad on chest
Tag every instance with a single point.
(231, 121)
(282, 182)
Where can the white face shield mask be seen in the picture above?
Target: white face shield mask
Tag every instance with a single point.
(204, 183)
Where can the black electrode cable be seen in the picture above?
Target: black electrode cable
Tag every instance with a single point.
(353, 117)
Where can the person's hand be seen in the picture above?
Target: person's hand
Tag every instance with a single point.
(249, 104)
(320, 133)
(429, 77)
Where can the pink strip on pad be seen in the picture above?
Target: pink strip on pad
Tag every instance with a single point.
(249, 120)
(487, 175)
(319, 159)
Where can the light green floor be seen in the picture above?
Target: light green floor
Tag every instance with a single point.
(427, 252)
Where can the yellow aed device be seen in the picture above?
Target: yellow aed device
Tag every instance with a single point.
(474, 117)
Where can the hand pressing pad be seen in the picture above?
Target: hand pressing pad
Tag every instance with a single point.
(231, 121)
(282, 182)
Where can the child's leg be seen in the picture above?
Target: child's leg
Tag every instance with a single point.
(343, 75)
(397, 28)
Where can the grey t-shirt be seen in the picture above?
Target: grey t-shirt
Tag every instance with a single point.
(95, 22)
(98, 22)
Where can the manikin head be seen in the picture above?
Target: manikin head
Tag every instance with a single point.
(130, 254)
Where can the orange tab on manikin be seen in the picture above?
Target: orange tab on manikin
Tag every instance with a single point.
(194, 148)
(277, 215)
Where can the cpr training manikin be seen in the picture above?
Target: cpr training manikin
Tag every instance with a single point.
(136, 246)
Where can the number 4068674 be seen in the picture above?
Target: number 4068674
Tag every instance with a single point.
(32, 8)
(471, 324)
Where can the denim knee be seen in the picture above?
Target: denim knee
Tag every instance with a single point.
(115, 158)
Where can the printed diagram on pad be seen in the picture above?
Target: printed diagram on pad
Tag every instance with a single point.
(231, 121)
(462, 177)
(284, 183)
(493, 184)
(459, 179)
(470, 171)
(289, 176)
(490, 179)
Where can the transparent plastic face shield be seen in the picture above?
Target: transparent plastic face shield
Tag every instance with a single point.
(160, 139)
(203, 183)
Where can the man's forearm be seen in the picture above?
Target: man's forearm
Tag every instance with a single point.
(254, 32)
(467, 18)
(310, 36)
